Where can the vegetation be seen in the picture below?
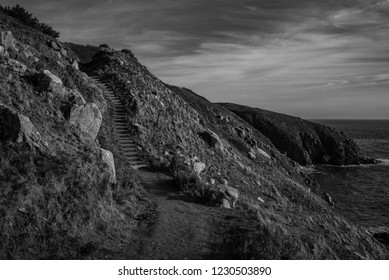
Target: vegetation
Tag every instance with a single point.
(84, 53)
(28, 19)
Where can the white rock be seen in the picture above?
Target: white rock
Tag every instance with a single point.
(108, 158)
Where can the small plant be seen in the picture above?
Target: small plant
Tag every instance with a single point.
(27, 18)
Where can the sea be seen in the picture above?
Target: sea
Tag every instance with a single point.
(360, 193)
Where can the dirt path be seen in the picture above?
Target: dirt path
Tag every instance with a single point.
(182, 229)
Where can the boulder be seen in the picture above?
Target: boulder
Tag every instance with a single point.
(211, 138)
(195, 164)
(108, 159)
(17, 128)
(7, 40)
(263, 153)
(47, 81)
(88, 118)
(224, 196)
(75, 65)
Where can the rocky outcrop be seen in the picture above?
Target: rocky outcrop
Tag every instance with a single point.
(108, 159)
(17, 128)
(303, 141)
(88, 118)
(224, 196)
(211, 138)
(8, 42)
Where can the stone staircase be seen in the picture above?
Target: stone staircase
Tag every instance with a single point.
(126, 140)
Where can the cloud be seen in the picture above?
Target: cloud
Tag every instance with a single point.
(300, 57)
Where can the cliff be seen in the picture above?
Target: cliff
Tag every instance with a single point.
(60, 194)
(303, 141)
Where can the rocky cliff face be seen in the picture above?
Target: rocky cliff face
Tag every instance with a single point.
(303, 141)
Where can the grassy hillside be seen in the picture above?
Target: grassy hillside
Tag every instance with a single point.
(56, 202)
(57, 196)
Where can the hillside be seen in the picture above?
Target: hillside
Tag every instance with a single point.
(303, 141)
(68, 192)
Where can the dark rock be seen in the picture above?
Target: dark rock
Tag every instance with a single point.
(224, 196)
(303, 141)
(211, 138)
(17, 128)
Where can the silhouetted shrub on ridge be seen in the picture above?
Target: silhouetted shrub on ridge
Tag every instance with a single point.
(27, 18)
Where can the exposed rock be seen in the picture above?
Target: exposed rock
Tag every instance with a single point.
(222, 194)
(328, 198)
(7, 40)
(303, 141)
(75, 65)
(16, 127)
(88, 118)
(263, 153)
(251, 155)
(47, 81)
(108, 158)
(17, 66)
(211, 138)
(195, 164)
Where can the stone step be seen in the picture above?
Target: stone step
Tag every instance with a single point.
(138, 166)
(127, 143)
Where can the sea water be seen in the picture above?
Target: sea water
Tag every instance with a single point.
(361, 193)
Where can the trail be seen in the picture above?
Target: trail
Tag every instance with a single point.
(178, 228)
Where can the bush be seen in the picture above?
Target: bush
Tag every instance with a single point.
(190, 184)
(27, 18)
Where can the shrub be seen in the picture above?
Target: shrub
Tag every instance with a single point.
(27, 18)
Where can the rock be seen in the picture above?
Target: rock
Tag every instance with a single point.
(223, 181)
(328, 198)
(17, 128)
(55, 45)
(17, 66)
(88, 118)
(108, 159)
(212, 181)
(199, 167)
(47, 81)
(260, 199)
(195, 164)
(211, 138)
(76, 97)
(75, 65)
(251, 155)
(222, 194)
(263, 153)
(63, 52)
(2, 50)
(7, 40)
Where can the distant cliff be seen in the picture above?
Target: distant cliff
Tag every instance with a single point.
(303, 141)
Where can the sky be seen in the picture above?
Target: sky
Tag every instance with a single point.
(309, 58)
